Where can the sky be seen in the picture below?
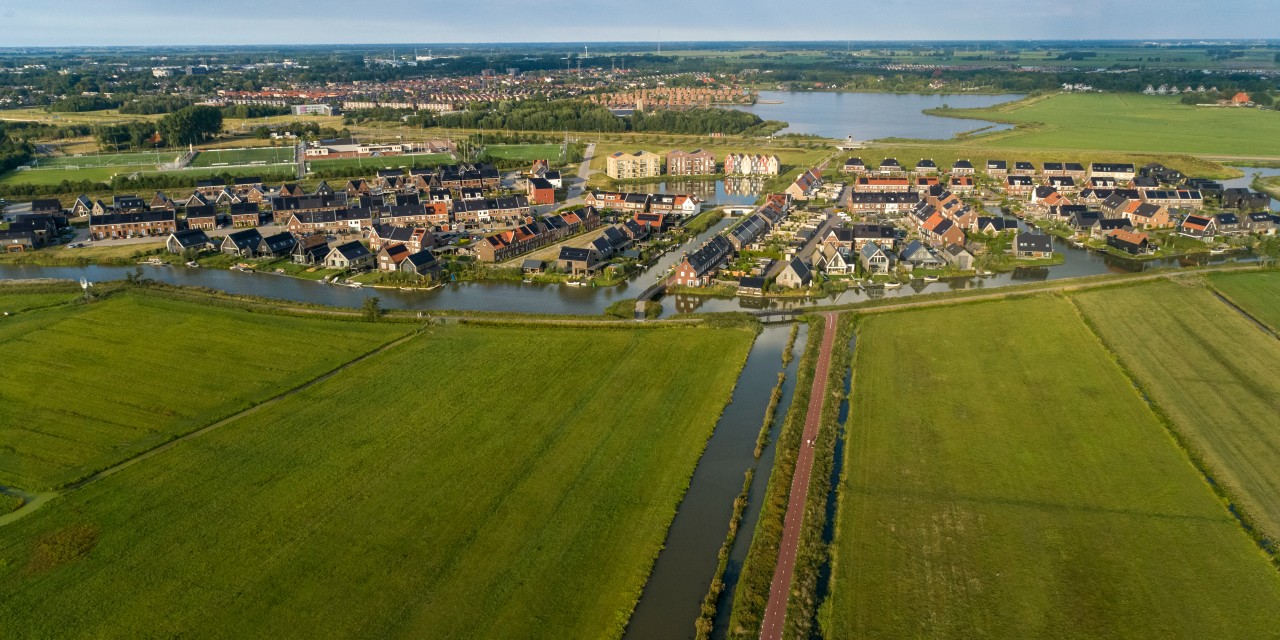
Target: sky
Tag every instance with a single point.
(25, 23)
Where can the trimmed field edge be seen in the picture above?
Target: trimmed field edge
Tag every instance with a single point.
(754, 581)
(1225, 494)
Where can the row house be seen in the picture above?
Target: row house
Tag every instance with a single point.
(283, 206)
(204, 217)
(416, 238)
(132, 225)
(674, 203)
(1245, 199)
(1019, 185)
(695, 268)
(414, 215)
(745, 164)
(349, 220)
(1122, 172)
(513, 242)
(245, 214)
(690, 163)
(1181, 198)
(882, 185)
(804, 185)
(485, 210)
(1063, 184)
(887, 203)
(1065, 169)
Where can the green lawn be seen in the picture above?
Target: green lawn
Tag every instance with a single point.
(17, 302)
(382, 162)
(56, 176)
(1133, 122)
(91, 385)
(1212, 372)
(1004, 480)
(1256, 293)
(476, 482)
(138, 159)
(526, 152)
(262, 155)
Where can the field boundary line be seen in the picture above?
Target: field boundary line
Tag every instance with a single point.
(1234, 507)
(41, 499)
(1262, 326)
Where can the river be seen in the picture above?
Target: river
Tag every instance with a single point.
(872, 116)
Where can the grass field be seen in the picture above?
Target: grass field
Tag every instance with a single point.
(95, 384)
(1133, 123)
(442, 489)
(382, 162)
(56, 176)
(1256, 293)
(140, 159)
(1212, 372)
(17, 302)
(261, 155)
(525, 152)
(1004, 480)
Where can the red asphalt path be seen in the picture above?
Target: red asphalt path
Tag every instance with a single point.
(776, 613)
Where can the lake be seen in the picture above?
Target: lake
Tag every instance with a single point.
(871, 116)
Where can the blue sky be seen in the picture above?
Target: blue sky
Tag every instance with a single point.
(151, 22)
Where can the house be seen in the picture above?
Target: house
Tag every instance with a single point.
(1229, 224)
(1260, 223)
(280, 244)
(1122, 172)
(541, 191)
(1240, 99)
(881, 234)
(962, 168)
(831, 261)
(926, 167)
(421, 263)
(881, 202)
(1032, 245)
(1019, 185)
(795, 275)
(918, 254)
(202, 217)
(244, 243)
(1100, 228)
(577, 260)
(245, 214)
(351, 255)
(958, 257)
(741, 164)
(162, 201)
(804, 185)
(1085, 218)
(866, 184)
(310, 250)
(691, 163)
(751, 286)
(531, 266)
(1128, 241)
(874, 259)
(1147, 216)
(120, 204)
(853, 165)
(390, 256)
(16, 240)
(962, 185)
(1161, 173)
(641, 164)
(695, 268)
(997, 168)
(998, 224)
(1245, 199)
(889, 166)
(1063, 184)
(1024, 168)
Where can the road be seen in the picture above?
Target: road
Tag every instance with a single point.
(579, 183)
(775, 614)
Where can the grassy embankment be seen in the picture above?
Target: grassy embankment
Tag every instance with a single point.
(1012, 483)
(97, 383)
(439, 489)
(1212, 373)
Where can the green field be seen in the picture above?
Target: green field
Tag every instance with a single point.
(1256, 293)
(95, 384)
(525, 152)
(260, 155)
(56, 176)
(475, 482)
(1132, 123)
(382, 162)
(1212, 372)
(1004, 480)
(147, 159)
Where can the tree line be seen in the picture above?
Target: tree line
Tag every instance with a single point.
(188, 125)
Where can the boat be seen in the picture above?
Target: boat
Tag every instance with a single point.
(892, 285)
(527, 281)
(193, 264)
(406, 288)
(354, 285)
(931, 278)
(1217, 252)
(574, 283)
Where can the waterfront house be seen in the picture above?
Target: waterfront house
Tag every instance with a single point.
(310, 250)
(421, 263)
(695, 268)
(795, 274)
(690, 163)
(958, 257)
(751, 286)
(132, 225)
(180, 241)
(350, 255)
(1103, 226)
(875, 260)
(1130, 242)
(390, 256)
(244, 243)
(577, 260)
(1032, 245)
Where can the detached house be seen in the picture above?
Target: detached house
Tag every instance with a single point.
(875, 260)
(1130, 242)
(351, 255)
(244, 244)
(1032, 245)
(795, 274)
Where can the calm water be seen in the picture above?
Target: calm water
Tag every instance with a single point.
(871, 116)
(727, 192)
(1245, 181)
(672, 598)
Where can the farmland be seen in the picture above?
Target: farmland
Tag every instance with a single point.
(1003, 479)
(1214, 375)
(1256, 293)
(1129, 122)
(98, 383)
(401, 497)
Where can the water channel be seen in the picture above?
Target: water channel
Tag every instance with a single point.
(871, 116)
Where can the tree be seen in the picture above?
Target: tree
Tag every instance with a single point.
(372, 308)
(190, 125)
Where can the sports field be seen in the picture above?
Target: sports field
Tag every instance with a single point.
(526, 152)
(1004, 480)
(1256, 293)
(1133, 123)
(381, 162)
(147, 159)
(1214, 374)
(232, 157)
(474, 482)
(85, 386)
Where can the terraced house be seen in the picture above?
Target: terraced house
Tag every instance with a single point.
(132, 225)
(690, 163)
